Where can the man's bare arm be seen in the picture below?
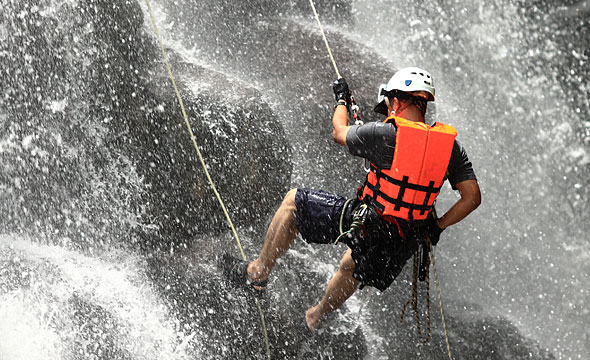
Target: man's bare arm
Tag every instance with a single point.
(470, 200)
(340, 124)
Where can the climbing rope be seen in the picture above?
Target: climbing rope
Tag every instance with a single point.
(442, 313)
(213, 187)
(414, 300)
(352, 106)
(317, 18)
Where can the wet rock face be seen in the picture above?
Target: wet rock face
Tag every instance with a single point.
(172, 304)
(278, 46)
(242, 143)
(95, 150)
(93, 141)
(227, 323)
(66, 84)
(226, 18)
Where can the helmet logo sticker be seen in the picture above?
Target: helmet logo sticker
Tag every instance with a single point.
(408, 82)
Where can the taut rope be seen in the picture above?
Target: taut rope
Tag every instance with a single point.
(317, 17)
(213, 187)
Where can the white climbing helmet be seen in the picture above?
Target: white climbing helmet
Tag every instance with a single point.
(407, 80)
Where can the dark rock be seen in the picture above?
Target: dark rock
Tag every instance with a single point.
(96, 143)
(228, 321)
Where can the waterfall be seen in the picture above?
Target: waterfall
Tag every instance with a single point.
(109, 231)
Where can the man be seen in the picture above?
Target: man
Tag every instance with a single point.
(392, 213)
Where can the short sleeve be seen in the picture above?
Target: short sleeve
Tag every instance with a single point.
(460, 168)
(374, 141)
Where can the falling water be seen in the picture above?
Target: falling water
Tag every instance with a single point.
(109, 231)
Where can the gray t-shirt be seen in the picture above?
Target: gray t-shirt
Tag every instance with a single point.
(375, 142)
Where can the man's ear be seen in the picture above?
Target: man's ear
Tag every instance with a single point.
(395, 105)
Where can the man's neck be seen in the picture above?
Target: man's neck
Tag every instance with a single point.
(413, 116)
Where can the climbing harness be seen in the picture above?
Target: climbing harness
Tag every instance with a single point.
(358, 221)
(213, 187)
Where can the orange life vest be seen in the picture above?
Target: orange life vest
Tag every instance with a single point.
(421, 157)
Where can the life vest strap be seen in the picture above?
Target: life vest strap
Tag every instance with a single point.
(399, 203)
(430, 189)
(403, 185)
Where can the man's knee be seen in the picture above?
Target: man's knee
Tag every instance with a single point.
(289, 200)
(345, 272)
(347, 264)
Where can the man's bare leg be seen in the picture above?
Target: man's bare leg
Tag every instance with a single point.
(279, 237)
(340, 288)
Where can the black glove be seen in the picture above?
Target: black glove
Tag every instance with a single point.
(432, 230)
(341, 91)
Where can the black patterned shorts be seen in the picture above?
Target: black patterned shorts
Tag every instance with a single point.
(379, 256)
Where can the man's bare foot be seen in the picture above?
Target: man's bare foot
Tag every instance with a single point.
(313, 317)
